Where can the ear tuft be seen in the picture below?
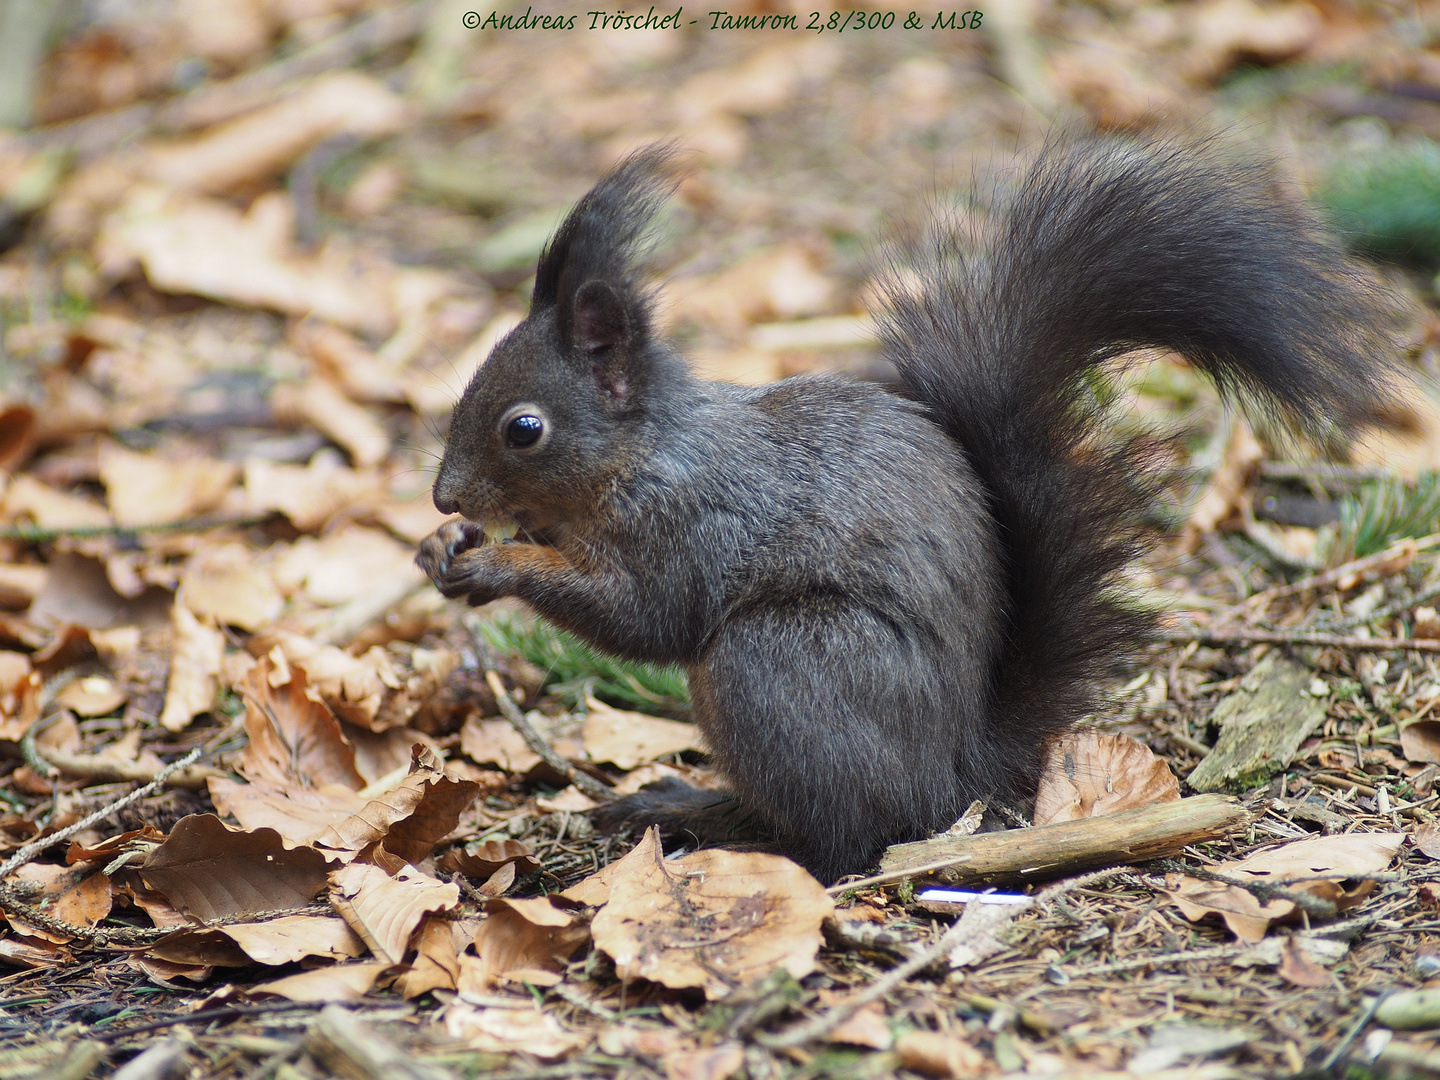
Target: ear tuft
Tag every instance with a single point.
(600, 320)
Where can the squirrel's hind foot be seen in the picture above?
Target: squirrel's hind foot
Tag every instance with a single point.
(685, 815)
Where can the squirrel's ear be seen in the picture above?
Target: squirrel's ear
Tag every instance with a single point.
(601, 319)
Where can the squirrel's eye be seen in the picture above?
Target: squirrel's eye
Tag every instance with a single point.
(524, 430)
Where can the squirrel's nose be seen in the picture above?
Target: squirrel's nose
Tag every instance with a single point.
(446, 504)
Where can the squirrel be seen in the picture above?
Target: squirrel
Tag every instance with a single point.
(889, 603)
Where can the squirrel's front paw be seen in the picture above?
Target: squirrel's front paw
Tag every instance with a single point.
(456, 562)
(438, 550)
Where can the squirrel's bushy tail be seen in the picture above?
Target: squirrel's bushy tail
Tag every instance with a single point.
(1105, 247)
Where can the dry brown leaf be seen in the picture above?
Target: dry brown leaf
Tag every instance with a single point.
(1229, 484)
(1420, 741)
(777, 283)
(341, 358)
(501, 1030)
(265, 142)
(1088, 774)
(199, 947)
(147, 489)
(437, 960)
(291, 938)
(210, 870)
(76, 896)
(319, 404)
(594, 891)
(482, 860)
(1298, 969)
(627, 739)
(496, 742)
(378, 690)
(1426, 839)
(343, 982)
(190, 245)
(1350, 856)
(865, 1028)
(224, 582)
(677, 921)
(385, 911)
(94, 695)
(20, 584)
(1225, 31)
(713, 1063)
(935, 1054)
(294, 740)
(308, 495)
(409, 819)
(530, 939)
(194, 667)
(27, 499)
(344, 565)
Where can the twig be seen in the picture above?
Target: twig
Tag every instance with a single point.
(1277, 637)
(1223, 952)
(585, 782)
(35, 534)
(1365, 1017)
(1326, 578)
(24, 854)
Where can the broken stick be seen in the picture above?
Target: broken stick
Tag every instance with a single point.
(1067, 847)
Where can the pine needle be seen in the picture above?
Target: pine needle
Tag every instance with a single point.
(573, 669)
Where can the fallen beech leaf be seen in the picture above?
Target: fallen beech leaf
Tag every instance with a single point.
(344, 565)
(192, 245)
(594, 890)
(201, 948)
(934, 1054)
(73, 895)
(209, 870)
(385, 911)
(343, 982)
(521, 935)
(482, 860)
(627, 739)
(437, 960)
(501, 1030)
(716, 1063)
(293, 739)
(865, 1028)
(677, 921)
(1420, 741)
(146, 489)
(1228, 484)
(1089, 774)
(194, 666)
(28, 498)
(294, 937)
(224, 582)
(32, 953)
(266, 141)
(334, 415)
(1298, 969)
(495, 742)
(94, 695)
(568, 799)
(1426, 839)
(410, 818)
(308, 495)
(776, 283)
(1344, 857)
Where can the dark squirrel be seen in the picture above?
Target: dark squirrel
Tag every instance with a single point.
(888, 605)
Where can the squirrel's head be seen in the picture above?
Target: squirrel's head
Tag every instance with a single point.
(563, 404)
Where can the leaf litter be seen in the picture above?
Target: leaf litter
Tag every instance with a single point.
(232, 319)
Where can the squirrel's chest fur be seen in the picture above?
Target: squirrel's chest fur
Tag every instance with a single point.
(806, 491)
